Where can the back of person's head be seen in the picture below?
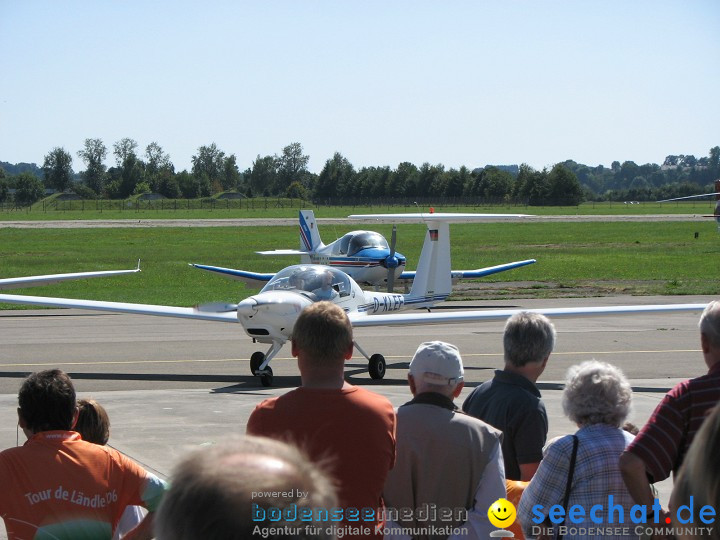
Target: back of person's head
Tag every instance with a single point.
(436, 367)
(596, 393)
(529, 337)
(93, 423)
(323, 331)
(47, 401)
(699, 476)
(710, 323)
(229, 489)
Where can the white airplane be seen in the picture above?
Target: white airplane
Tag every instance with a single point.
(716, 215)
(269, 316)
(365, 256)
(50, 279)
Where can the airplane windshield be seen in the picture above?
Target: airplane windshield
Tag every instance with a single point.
(366, 240)
(325, 282)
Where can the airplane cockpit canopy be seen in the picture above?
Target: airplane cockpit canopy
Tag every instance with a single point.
(310, 278)
(355, 241)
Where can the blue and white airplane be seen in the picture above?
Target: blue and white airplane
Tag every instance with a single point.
(366, 256)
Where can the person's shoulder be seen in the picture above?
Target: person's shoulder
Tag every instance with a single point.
(368, 396)
(475, 423)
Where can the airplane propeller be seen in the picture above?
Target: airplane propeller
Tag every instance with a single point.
(391, 261)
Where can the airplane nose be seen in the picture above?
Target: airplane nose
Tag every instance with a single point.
(247, 307)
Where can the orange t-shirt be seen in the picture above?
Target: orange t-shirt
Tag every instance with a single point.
(352, 427)
(59, 486)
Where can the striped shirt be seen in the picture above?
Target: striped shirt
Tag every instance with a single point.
(664, 440)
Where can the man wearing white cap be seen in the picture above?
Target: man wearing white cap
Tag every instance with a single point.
(449, 466)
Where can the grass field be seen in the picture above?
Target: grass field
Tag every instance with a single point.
(286, 208)
(574, 259)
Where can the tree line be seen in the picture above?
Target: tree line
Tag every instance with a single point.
(286, 174)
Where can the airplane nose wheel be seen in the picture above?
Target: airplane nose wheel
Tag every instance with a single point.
(266, 379)
(377, 366)
(256, 361)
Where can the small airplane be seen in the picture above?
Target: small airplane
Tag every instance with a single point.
(716, 215)
(50, 279)
(269, 316)
(365, 256)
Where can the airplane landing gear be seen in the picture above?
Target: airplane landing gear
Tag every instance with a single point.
(377, 366)
(376, 363)
(266, 379)
(256, 361)
(259, 363)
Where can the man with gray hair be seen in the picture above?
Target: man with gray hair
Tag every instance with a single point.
(662, 443)
(510, 401)
(246, 487)
(449, 467)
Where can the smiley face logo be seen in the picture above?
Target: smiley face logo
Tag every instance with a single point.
(502, 513)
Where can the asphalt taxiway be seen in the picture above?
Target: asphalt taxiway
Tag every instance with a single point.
(170, 385)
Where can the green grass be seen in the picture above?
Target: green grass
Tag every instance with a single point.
(637, 258)
(286, 208)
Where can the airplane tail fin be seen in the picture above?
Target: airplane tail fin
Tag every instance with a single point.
(432, 281)
(309, 234)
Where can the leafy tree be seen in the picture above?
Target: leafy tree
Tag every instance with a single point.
(209, 165)
(337, 174)
(714, 162)
(405, 178)
(94, 155)
(168, 184)
(142, 187)
(291, 167)
(129, 171)
(456, 180)
(29, 189)
(4, 186)
(296, 191)
(263, 175)
(429, 180)
(57, 169)
(124, 149)
(563, 188)
(231, 177)
(157, 166)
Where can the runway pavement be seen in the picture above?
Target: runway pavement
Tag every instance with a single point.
(170, 384)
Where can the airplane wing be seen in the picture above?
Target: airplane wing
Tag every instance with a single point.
(121, 307)
(420, 317)
(439, 216)
(254, 279)
(690, 197)
(284, 252)
(474, 274)
(49, 279)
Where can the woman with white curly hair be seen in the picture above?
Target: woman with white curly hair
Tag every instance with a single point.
(582, 469)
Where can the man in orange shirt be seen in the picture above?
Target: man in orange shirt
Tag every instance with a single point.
(348, 427)
(58, 486)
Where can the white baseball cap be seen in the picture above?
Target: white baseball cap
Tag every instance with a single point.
(437, 362)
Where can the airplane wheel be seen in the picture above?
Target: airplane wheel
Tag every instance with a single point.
(266, 379)
(377, 366)
(256, 361)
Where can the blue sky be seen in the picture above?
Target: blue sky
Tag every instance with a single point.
(452, 82)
